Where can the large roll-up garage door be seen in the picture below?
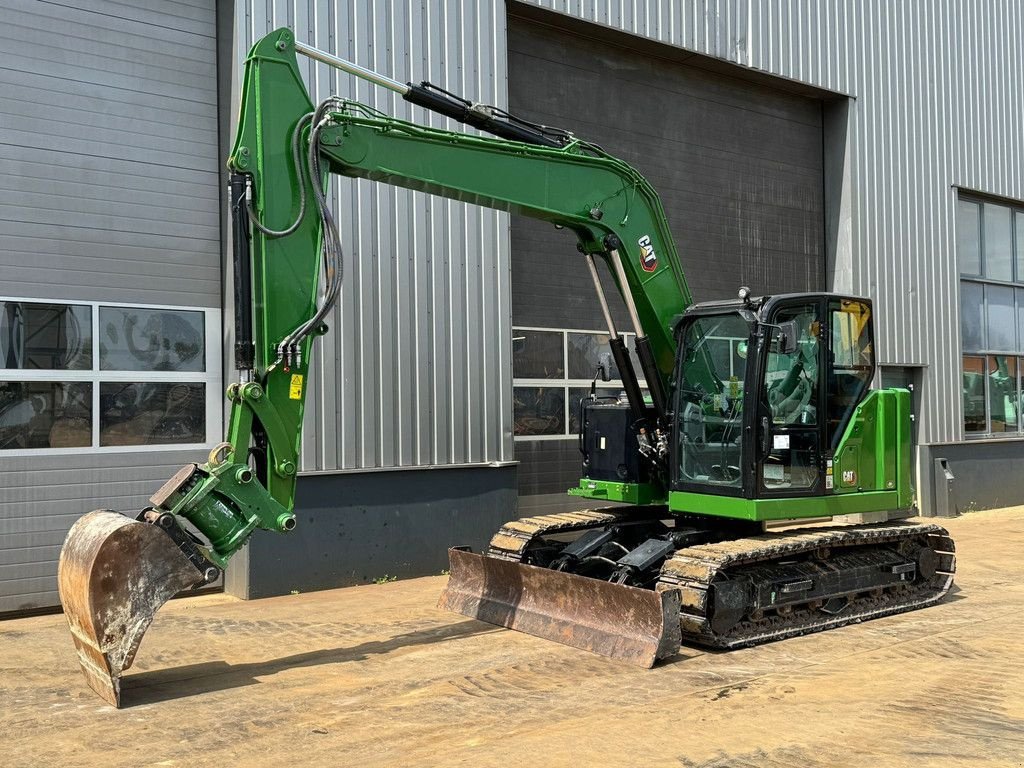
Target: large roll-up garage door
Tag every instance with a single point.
(738, 165)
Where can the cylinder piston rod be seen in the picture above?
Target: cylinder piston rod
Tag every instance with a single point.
(352, 68)
(437, 100)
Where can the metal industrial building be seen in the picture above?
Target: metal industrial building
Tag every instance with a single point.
(871, 147)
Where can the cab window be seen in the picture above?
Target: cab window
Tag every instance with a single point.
(852, 363)
(710, 400)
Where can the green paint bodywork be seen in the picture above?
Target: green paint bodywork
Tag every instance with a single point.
(780, 509)
(871, 470)
(874, 453)
(631, 493)
(561, 186)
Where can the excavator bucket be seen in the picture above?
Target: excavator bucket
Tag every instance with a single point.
(113, 576)
(635, 625)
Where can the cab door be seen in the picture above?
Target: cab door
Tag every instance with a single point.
(791, 400)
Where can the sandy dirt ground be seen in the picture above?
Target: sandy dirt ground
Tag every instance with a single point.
(377, 676)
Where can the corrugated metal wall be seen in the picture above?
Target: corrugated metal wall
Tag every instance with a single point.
(938, 101)
(108, 192)
(416, 369)
(108, 152)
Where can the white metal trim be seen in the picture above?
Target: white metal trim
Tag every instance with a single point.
(212, 377)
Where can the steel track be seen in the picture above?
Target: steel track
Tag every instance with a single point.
(693, 570)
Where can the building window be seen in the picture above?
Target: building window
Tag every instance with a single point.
(552, 370)
(990, 252)
(107, 377)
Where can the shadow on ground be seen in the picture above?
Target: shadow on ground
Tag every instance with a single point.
(195, 679)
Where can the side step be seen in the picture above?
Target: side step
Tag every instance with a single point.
(635, 625)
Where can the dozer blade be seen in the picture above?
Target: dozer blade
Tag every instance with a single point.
(635, 625)
(113, 576)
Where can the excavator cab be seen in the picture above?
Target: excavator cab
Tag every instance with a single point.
(764, 392)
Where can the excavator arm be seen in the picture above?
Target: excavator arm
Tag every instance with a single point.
(116, 572)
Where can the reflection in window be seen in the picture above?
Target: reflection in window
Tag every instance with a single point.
(968, 237)
(537, 355)
(1019, 221)
(45, 414)
(1001, 320)
(156, 343)
(551, 370)
(538, 410)
(998, 261)
(585, 351)
(1004, 399)
(133, 339)
(990, 251)
(39, 336)
(972, 314)
(578, 394)
(1019, 295)
(974, 394)
(152, 413)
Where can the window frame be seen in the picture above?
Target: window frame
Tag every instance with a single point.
(211, 378)
(1016, 285)
(565, 383)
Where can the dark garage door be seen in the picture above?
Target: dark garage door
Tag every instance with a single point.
(738, 165)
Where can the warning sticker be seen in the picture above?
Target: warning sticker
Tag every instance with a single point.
(295, 388)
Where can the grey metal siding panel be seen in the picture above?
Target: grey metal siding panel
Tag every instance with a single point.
(415, 369)
(938, 103)
(108, 192)
(40, 498)
(108, 152)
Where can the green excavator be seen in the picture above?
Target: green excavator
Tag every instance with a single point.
(737, 413)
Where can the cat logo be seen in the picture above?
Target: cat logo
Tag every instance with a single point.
(648, 258)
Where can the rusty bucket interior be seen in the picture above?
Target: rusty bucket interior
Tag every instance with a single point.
(626, 623)
(113, 576)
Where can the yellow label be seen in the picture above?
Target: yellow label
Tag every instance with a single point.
(295, 389)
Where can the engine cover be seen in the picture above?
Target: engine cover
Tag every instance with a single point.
(609, 444)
